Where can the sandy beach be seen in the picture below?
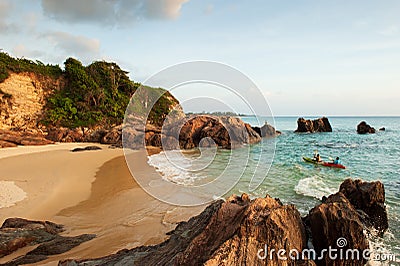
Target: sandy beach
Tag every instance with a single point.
(88, 192)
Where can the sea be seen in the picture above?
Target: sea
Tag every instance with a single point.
(284, 175)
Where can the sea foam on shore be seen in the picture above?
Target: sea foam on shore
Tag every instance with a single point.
(10, 194)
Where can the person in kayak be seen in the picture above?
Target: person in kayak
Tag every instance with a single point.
(337, 161)
(317, 158)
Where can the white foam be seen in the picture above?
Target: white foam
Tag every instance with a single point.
(170, 171)
(10, 194)
(313, 187)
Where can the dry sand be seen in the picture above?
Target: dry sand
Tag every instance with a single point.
(88, 192)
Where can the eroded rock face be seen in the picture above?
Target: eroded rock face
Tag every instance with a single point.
(22, 97)
(364, 128)
(368, 197)
(226, 233)
(16, 233)
(311, 126)
(335, 224)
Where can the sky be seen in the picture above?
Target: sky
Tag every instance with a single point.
(306, 57)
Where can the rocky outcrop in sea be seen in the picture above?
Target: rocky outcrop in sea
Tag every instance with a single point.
(310, 126)
(364, 128)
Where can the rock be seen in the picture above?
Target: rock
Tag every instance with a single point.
(257, 129)
(311, 126)
(9, 138)
(94, 135)
(364, 128)
(16, 233)
(335, 224)
(226, 132)
(113, 136)
(266, 131)
(87, 148)
(58, 245)
(6, 144)
(368, 197)
(225, 233)
(382, 129)
(62, 134)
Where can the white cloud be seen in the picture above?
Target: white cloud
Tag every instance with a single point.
(390, 31)
(111, 12)
(21, 51)
(80, 46)
(209, 9)
(5, 9)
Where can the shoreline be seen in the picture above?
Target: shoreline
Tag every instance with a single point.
(88, 192)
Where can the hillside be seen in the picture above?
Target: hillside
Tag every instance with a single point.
(35, 96)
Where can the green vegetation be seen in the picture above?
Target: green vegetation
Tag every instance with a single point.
(97, 94)
(9, 64)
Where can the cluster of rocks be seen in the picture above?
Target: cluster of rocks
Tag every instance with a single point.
(322, 125)
(241, 231)
(16, 233)
(9, 138)
(310, 126)
(184, 133)
(364, 128)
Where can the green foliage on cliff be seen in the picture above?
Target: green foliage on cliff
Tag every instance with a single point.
(10, 64)
(98, 93)
(144, 99)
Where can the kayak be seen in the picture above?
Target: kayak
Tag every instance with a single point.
(327, 164)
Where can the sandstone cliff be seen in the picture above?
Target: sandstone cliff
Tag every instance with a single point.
(22, 100)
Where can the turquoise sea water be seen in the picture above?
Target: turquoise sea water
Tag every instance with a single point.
(369, 157)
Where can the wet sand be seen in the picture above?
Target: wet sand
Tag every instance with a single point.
(90, 192)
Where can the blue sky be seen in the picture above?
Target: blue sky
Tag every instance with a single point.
(307, 57)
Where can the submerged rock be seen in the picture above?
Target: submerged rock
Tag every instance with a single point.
(311, 126)
(364, 128)
(382, 129)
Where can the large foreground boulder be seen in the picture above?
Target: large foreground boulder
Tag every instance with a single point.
(311, 126)
(340, 221)
(368, 198)
(335, 224)
(235, 232)
(364, 128)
